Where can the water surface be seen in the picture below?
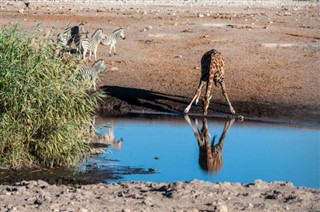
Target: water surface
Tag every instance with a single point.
(172, 149)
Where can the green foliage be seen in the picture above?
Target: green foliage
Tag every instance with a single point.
(45, 109)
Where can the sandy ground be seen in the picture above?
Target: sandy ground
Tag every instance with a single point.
(272, 54)
(272, 72)
(177, 196)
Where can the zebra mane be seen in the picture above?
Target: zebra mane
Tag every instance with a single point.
(97, 31)
(98, 62)
(117, 30)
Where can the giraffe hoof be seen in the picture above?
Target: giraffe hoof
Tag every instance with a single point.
(240, 117)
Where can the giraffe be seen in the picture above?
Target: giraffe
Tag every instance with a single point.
(210, 154)
(212, 71)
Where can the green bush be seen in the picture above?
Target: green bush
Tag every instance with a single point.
(45, 109)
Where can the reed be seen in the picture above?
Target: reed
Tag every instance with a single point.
(45, 109)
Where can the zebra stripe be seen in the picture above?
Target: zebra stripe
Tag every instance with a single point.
(63, 40)
(112, 39)
(91, 73)
(91, 44)
(81, 34)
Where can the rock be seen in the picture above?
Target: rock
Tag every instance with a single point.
(200, 15)
(114, 68)
(42, 184)
(221, 208)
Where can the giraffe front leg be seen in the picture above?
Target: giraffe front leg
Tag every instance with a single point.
(223, 87)
(196, 96)
(206, 101)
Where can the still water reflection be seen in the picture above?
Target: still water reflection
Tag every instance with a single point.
(180, 149)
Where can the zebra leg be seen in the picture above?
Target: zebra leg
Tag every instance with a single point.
(95, 54)
(94, 85)
(114, 50)
(90, 54)
(84, 54)
(196, 96)
(110, 50)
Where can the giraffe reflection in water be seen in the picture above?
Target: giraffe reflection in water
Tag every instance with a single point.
(210, 153)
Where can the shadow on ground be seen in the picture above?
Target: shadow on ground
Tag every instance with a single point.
(125, 99)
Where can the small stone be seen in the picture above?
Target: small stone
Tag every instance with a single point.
(178, 56)
(221, 208)
(114, 68)
(200, 15)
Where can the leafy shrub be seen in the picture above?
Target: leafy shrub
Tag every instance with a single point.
(45, 109)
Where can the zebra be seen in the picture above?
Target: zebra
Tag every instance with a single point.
(112, 39)
(81, 34)
(91, 44)
(64, 40)
(91, 73)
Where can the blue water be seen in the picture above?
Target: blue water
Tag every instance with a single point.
(251, 151)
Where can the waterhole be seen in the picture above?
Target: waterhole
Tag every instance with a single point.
(161, 149)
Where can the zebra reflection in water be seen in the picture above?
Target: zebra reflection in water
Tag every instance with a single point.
(104, 136)
(210, 154)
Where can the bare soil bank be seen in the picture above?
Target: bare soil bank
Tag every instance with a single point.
(272, 54)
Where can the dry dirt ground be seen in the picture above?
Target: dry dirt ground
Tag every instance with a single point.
(272, 72)
(177, 196)
(272, 54)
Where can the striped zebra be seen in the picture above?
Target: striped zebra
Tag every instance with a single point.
(112, 40)
(91, 44)
(81, 34)
(90, 74)
(64, 40)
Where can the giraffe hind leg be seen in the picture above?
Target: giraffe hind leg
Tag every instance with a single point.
(196, 96)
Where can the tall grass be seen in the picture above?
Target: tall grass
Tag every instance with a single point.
(45, 109)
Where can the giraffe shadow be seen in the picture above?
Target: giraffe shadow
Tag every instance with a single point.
(143, 99)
